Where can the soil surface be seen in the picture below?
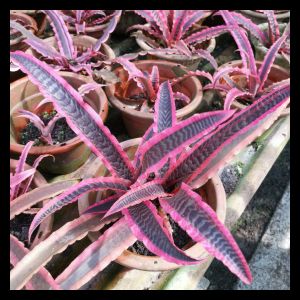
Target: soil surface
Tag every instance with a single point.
(60, 133)
(19, 227)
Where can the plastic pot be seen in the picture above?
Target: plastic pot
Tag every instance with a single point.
(213, 193)
(69, 155)
(137, 122)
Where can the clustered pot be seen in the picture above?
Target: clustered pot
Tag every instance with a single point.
(258, 17)
(137, 122)
(213, 193)
(261, 50)
(276, 74)
(191, 63)
(69, 155)
(45, 228)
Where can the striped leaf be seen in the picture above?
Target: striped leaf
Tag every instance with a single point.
(97, 256)
(212, 152)
(75, 192)
(81, 118)
(148, 191)
(146, 224)
(155, 152)
(200, 221)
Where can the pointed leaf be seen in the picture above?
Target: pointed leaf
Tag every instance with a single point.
(212, 152)
(97, 256)
(62, 35)
(177, 28)
(200, 221)
(147, 226)
(148, 191)
(41, 280)
(192, 19)
(171, 142)
(81, 118)
(102, 206)
(75, 192)
(232, 95)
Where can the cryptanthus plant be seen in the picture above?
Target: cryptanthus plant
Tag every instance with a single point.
(68, 57)
(256, 79)
(83, 19)
(148, 84)
(175, 32)
(154, 174)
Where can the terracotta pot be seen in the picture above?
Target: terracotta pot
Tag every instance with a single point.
(39, 17)
(68, 156)
(259, 18)
(213, 193)
(45, 228)
(80, 41)
(261, 50)
(276, 74)
(137, 122)
(191, 63)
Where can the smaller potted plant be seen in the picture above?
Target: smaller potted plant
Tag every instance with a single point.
(242, 82)
(88, 22)
(134, 96)
(24, 178)
(175, 36)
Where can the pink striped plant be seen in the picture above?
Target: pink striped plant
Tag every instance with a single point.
(148, 84)
(256, 79)
(82, 19)
(68, 57)
(174, 32)
(21, 179)
(172, 160)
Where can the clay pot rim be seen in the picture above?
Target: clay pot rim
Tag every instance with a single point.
(106, 49)
(29, 20)
(262, 16)
(156, 263)
(211, 46)
(56, 149)
(110, 92)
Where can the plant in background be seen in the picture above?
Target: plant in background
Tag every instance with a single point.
(163, 169)
(254, 83)
(175, 32)
(82, 19)
(69, 58)
(266, 38)
(144, 97)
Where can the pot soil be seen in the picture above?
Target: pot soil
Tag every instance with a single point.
(70, 154)
(20, 224)
(137, 122)
(214, 194)
(191, 63)
(276, 74)
(261, 50)
(258, 17)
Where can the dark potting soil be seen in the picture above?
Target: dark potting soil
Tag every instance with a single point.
(180, 237)
(19, 227)
(60, 133)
